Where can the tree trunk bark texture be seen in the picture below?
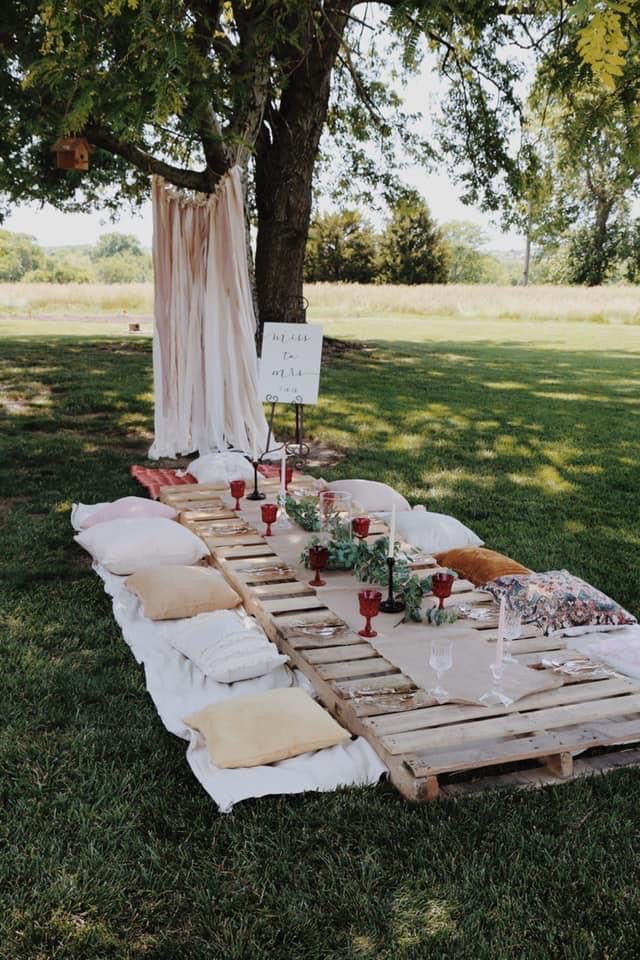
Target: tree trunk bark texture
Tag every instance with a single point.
(285, 159)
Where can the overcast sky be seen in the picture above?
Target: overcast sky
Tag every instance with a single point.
(52, 228)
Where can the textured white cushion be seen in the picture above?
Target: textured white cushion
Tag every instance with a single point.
(126, 546)
(220, 468)
(226, 646)
(434, 532)
(371, 495)
(85, 515)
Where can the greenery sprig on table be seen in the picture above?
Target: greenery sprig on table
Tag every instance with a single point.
(369, 564)
(304, 511)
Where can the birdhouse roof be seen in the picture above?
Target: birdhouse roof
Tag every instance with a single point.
(69, 143)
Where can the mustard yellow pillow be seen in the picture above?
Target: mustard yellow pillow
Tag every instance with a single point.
(171, 592)
(478, 564)
(249, 731)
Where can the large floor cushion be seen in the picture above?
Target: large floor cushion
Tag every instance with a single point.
(434, 532)
(271, 726)
(126, 546)
(173, 591)
(557, 600)
(478, 564)
(371, 495)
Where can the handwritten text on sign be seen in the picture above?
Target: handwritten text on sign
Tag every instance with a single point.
(290, 364)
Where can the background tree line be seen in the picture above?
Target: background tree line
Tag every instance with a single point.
(412, 248)
(115, 258)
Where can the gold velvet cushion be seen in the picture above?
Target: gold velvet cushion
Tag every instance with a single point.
(271, 726)
(171, 592)
(478, 564)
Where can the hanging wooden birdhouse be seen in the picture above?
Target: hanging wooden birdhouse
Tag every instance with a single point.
(72, 153)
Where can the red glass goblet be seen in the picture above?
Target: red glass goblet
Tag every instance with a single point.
(318, 560)
(360, 527)
(237, 488)
(288, 477)
(441, 584)
(269, 513)
(369, 601)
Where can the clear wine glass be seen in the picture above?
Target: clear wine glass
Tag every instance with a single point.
(512, 628)
(497, 696)
(440, 660)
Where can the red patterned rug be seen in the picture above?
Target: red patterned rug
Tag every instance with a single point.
(152, 478)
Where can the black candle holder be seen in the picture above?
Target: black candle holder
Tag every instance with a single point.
(255, 494)
(391, 604)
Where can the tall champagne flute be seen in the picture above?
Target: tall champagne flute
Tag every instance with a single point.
(511, 630)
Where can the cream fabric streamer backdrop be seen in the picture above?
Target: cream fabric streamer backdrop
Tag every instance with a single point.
(205, 368)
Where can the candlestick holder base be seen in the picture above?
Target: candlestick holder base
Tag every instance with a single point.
(255, 493)
(391, 604)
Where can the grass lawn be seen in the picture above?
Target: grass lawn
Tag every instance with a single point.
(109, 848)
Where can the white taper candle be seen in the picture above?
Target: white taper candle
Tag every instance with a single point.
(500, 640)
(283, 474)
(392, 531)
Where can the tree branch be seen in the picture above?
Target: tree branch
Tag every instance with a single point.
(187, 179)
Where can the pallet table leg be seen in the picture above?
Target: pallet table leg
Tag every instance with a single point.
(428, 789)
(560, 765)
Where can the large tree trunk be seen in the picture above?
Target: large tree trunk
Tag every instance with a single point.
(286, 152)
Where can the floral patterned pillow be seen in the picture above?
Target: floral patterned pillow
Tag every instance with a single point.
(557, 600)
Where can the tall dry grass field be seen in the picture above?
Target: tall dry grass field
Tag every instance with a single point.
(619, 304)
(334, 301)
(76, 299)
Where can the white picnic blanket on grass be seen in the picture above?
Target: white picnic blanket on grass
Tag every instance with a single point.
(178, 688)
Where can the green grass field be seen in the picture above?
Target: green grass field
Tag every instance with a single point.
(110, 850)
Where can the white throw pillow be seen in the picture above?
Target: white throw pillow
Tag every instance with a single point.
(371, 495)
(126, 546)
(434, 532)
(220, 468)
(85, 515)
(225, 645)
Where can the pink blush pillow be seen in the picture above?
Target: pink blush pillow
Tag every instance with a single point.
(126, 508)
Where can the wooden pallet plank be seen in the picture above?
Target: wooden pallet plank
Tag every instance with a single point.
(293, 604)
(247, 551)
(353, 651)
(374, 686)
(306, 642)
(536, 746)
(451, 713)
(355, 668)
(297, 621)
(380, 704)
(282, 588)
(510, 725)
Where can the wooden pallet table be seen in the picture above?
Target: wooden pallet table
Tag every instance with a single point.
(429, 748)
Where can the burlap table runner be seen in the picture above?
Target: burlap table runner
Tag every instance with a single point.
(407, 645)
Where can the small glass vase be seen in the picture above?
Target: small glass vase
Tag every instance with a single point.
(335, 515)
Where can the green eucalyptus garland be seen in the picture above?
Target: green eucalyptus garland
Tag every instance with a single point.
(304, 511)
(369, 564)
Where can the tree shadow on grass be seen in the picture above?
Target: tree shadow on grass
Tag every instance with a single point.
(535, 448)
(115, 851)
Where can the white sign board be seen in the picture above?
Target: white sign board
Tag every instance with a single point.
(290, 364)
